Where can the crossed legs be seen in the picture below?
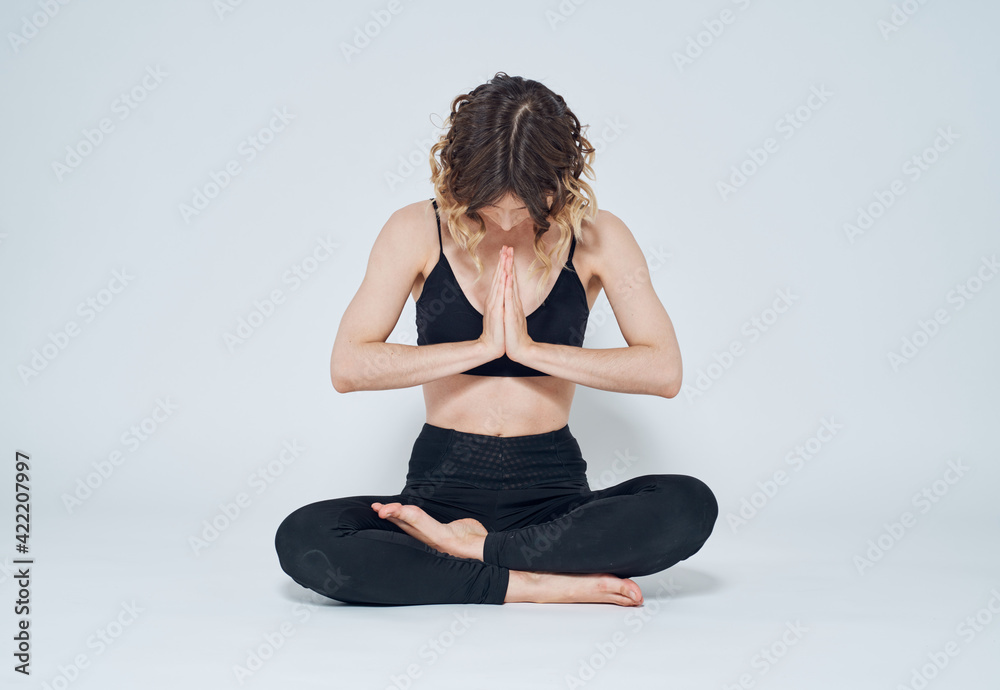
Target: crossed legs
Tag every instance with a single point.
(565, 547)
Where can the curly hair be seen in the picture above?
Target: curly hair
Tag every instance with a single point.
(513, 136)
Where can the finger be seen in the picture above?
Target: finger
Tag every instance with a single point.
(498, 274)
(487, 303)
(495, 291)
(515, 293)
(509, 314)
(502, 271)
(500, 263)
(498, 292)
(513, 280)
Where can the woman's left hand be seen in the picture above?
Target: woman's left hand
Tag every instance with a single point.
(516, 338)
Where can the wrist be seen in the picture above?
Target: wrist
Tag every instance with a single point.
(526, 354)
(486, 351)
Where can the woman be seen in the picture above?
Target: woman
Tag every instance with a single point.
(496, 506)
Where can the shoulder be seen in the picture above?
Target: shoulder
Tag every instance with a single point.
(609, 252)
(606, 224)
(409, 235)
(413, 216)
(604, 238)
(413, 225)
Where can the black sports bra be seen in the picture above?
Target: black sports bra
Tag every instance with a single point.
(445, 315)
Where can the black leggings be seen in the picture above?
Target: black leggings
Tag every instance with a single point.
(531, 495)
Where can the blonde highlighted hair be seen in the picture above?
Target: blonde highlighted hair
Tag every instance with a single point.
(513, 135)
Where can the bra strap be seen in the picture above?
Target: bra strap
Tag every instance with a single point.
(436, 215)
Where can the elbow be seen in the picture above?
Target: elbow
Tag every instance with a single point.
(671, 391)
(341, 384)
(340, 375)
(671, 387)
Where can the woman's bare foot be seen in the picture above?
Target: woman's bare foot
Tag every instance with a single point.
(463, 538)
(571, 587)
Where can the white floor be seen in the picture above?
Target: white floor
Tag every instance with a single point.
(765, 609)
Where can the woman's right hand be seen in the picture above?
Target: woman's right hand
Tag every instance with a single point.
(493, 330)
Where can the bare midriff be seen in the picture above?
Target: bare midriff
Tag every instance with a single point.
(499, 405)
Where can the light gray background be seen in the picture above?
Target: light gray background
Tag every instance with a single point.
(667, 134)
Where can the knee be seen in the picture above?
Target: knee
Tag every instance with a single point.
(310, 549)
(704, 505)
(693, 504)
(286, 535)
(679, 518)
(294, 536)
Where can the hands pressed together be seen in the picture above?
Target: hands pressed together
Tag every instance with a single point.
(505, 327)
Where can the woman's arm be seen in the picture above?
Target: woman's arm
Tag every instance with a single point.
(361, 359)
(651, 364)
